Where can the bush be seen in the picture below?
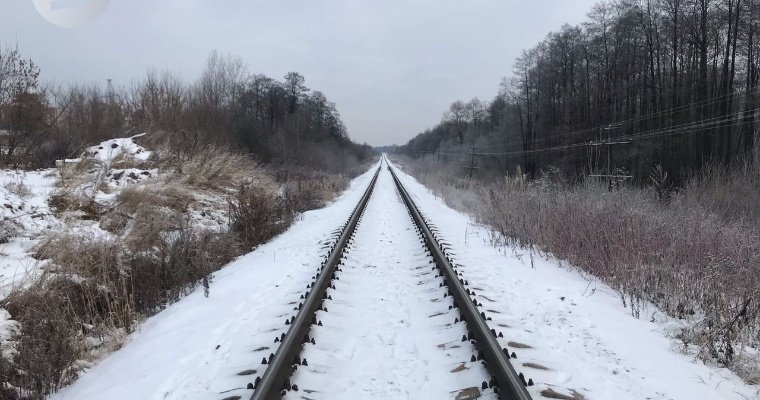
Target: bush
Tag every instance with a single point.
(732, 195)
(84, 293)
(178, 268)
(305, 189)
(8, 229)
(98, 288)
(257, 215)
(45, 345)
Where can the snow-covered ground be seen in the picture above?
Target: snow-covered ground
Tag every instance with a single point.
(112, 150)
(570, 333)
(25, 213)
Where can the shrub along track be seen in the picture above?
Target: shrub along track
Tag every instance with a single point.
(404, 323)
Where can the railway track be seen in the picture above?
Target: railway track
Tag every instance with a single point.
(391, 289)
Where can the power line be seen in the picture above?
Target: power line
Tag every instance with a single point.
(689, 127)
(695, 105)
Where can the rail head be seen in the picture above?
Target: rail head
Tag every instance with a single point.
(511, 386)
(280, 367)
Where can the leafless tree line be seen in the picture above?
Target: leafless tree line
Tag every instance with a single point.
(684, 74)
(281, 122)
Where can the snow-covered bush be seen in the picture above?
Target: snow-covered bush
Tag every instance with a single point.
(257, 215)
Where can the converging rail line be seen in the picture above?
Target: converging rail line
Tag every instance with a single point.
(405, 254)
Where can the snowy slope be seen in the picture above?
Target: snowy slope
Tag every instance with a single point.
(201, 348)
(111, 150)
(576, 327)
(24, 215)
(24, 210)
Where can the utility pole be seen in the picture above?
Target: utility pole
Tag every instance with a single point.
(608, 174)
(472, 166)
(506, 152)
(439, 156)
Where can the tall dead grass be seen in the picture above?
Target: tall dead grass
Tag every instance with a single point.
(445, 181)
(308, 189)
(695, 253)
(733, 195)
(216, 168)
(686, 260)
(94, 291)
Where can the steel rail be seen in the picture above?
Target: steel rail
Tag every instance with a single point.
(281, 366)
(511, 386)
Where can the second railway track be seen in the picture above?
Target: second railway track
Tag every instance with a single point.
(388, 316)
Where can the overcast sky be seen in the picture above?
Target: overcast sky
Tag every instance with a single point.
(392, 66)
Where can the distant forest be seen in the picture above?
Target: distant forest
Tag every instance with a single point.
(641, 83)
(278, 122)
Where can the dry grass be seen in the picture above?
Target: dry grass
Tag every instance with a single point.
(63, 200)
(445, 181)
(733, 195)
(686, 260)
(158, 204)
(154, 194)
(85, 293)
(8, 229)
(18, 187)
(695, 253)
(307, 189)
(97, 287)
(216, 168)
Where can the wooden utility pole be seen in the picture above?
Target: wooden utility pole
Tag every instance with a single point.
(506, 153)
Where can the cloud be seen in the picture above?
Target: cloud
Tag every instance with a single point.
(391, 66)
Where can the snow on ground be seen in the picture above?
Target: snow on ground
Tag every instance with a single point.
(569, 333)
(576, 328)
(110, 150)
(211, 348)
(388, 332)
(25, 213)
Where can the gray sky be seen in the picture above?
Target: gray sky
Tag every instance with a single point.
(392, 66)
